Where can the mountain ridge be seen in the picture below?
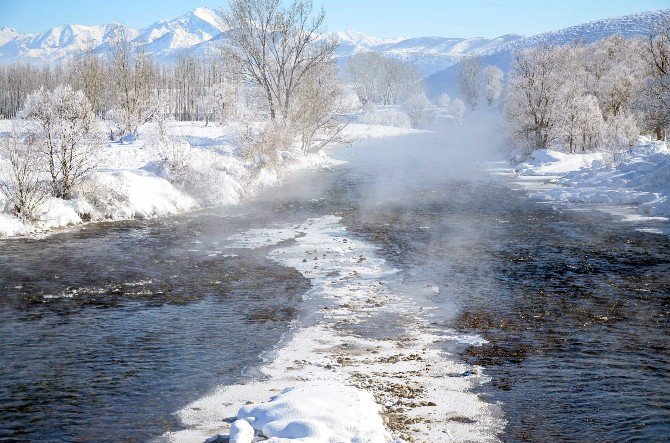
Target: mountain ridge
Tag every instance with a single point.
(632, 25)
(202, 31)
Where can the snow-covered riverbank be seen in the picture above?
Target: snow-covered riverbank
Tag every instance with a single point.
(130, 181)
(641, 180)
(328, 383)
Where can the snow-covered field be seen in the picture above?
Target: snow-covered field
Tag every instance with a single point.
(329, 384)
(131, 181)
(641, 180)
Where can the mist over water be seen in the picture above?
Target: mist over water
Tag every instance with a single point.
(574, 304)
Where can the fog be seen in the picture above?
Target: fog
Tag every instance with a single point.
(451, 151)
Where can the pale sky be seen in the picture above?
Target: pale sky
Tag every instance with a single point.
(387, 18)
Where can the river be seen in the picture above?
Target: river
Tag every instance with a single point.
(109, 329)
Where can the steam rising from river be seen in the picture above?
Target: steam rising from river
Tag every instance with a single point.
(453, 151)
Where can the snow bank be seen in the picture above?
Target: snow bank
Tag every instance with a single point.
(318, 411)
(548, 162)
(133, 194)
(241, 432)
(134, 181)
(357, 131)
(11, 226)
(643, 180)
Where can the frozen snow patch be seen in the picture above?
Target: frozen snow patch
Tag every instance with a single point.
(318, 411)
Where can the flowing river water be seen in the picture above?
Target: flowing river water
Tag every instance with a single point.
(108, 330)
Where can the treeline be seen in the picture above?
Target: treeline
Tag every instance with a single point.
(180, 85)
(585, 97)
(392, 90)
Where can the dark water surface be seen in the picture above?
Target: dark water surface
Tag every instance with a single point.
(107, 331)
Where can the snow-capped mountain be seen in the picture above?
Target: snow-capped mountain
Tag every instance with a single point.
(430, 54)
(633, 25)
(166, 37)
(7, 34)
(202, 32)
(61, 42)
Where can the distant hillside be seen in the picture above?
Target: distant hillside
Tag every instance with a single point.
(430, 54)
(629, 26)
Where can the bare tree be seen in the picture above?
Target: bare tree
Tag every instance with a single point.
(468, 80)
(494, 78)
(315, 111)
(444, 100)
(279, 46)
(133, 91)
(534, 87)
(66, 133)
(656, 95)
(87, 74)
(22, 184)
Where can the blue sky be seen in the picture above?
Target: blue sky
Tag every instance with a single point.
(384, 18)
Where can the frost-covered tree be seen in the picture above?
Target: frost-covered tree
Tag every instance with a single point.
(315, 114)
(614, 72)
(382, 79)
(66, 133)
(221, 101)
(534, 87)
(21, 182)
(622, 131)
(459, 109)
(363, 70)
(655, 100)
(576, 97)
(468, 80)
(494, 83)
(419, 109)
(444, 100)
(279, 46)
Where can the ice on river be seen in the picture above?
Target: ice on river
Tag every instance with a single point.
(326, 383)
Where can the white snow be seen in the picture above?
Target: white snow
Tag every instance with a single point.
(130, 182)
(318, 411)
(641, 180)
(548, 162)
(7, 34)
(325, 384)
(241, 432)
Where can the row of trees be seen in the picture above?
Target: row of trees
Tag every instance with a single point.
(379, 80)
(179, 85)
(583, 97)
(474, 82)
